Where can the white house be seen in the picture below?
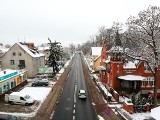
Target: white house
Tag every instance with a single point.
(23, 56)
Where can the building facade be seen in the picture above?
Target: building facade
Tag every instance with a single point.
(23, 56)
(131, 76)
(11, 78)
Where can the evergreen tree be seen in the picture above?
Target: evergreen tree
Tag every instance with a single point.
(55, 55)
(117, 39)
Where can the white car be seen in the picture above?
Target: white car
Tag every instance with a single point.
(82, 94)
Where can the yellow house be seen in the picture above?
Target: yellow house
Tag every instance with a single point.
(96, 63)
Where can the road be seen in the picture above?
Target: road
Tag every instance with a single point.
(70, 107)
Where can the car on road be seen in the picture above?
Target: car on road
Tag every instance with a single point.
(43, 82)
(82, 94)
(7, 117)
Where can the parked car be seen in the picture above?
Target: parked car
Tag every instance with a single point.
(43, 82)
(82, 94)
(19, 98)
(7, 117)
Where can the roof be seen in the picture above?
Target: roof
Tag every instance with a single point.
(18, 93)
(3, 49)
(97, 57)
(82, 91)
(96, 50)
(116, 49)
(31, 52)
(101, 68)
(132, 78)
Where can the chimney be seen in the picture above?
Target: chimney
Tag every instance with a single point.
(31, 46)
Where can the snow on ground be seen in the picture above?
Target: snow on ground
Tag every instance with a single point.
(141, 116)
(38, 93)
(61, 71)
(100, 117)
(155, 113)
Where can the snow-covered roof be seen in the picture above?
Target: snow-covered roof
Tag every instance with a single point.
(96, 50)
(101, 68)
(130, 64)
(132, 78)
(97, 57)
(31, 52)
(7, 71)
(128, 101)
(3, 49)
(116, 49)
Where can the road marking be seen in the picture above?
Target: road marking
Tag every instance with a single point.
(74, 105)
(73, 117)
(75, 91)
(74, 111)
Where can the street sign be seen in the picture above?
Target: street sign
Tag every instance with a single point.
(43, 70)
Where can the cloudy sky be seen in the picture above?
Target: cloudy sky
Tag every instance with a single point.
(66, 21)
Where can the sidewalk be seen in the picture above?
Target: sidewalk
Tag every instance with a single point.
(97, 98)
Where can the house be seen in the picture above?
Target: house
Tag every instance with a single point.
(96, 58)
(23, 56)
(11, 78)
(128, 77)
(3, 50)
(46, 51)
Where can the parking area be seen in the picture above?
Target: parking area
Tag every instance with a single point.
(38, 93)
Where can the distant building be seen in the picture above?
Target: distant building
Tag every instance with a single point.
(23, 56)
(96, 58)
(11, 78)
(46, 51)
(3, 50)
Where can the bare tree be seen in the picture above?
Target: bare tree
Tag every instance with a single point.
(72, 48)
(142, 31)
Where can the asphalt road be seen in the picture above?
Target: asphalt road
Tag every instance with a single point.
(70, 107)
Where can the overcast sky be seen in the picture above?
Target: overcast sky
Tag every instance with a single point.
(66, 21)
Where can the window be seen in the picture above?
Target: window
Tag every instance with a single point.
(12, 84)
(21, 63)
(21, 98)
(4, 88)
(146, 67)
(118, 68)
(19, 53)
(14, 54)
(11, 62)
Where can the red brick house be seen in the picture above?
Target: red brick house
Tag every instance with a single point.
(130, 77)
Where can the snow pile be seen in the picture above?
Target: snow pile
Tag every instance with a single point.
(105, 90)
(100, 117)
(37, 93)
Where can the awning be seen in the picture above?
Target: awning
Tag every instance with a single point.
(132, 78)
